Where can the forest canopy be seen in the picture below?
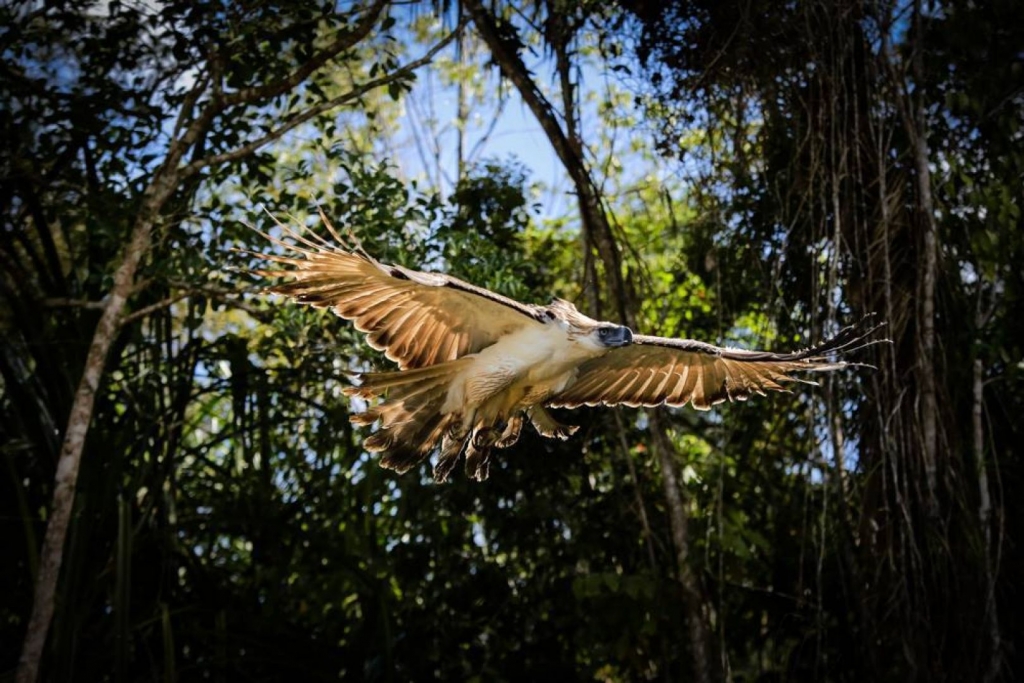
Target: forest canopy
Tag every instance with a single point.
(183, 495)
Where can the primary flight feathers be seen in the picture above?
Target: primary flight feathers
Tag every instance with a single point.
(475, 365)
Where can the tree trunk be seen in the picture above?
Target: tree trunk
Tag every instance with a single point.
(164, 184)
(78, 428)
(597, 229)
(927, 276)
(985, 503)
(693, 596)
(595, 222)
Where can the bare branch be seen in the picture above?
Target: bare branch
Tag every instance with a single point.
(591, 209)
(66, 302)
(343, 42)
(302, 117)
(227, 295)
(189, 102)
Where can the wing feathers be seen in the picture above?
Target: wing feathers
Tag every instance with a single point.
(655, 371)
(416, 318)
(390, 327)
(684, 389)
(429, 323)
(699, 396)
(666, 376)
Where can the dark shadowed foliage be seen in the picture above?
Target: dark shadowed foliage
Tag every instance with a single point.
(835, 158)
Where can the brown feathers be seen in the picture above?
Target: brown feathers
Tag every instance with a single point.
(411, 418)
(417, 319)
(475, 365)
(654, 370)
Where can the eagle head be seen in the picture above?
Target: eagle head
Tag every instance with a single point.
(613, 335)
(600, 335)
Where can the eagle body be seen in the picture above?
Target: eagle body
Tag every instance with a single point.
(480, 401)
(522, 369)
(474, 366)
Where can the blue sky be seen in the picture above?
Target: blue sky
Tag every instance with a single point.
(515, 133)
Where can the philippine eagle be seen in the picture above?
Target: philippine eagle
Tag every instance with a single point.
(475, 365)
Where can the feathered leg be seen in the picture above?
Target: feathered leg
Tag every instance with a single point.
(548, 426)
(511, 433)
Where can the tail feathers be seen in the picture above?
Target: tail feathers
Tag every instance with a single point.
(411, 421)
(412, 424)
(404, 452)
(375, 384)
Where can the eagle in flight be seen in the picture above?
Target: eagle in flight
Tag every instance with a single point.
(474, 366)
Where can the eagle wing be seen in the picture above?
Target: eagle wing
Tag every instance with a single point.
(417, 319)
(655, 370)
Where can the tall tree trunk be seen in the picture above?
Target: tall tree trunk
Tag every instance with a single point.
(595, 221)
(918, 132)
(77, 430)
(985, 500)
(461, 113)
(164, 184)
(568, 146)
(693, 595)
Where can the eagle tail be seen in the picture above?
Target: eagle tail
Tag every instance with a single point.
(410, 417)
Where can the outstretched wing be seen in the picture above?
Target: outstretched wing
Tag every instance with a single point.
(654, 371)
(417, 319)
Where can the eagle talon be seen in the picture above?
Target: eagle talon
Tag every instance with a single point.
(478, 463)
(511, 433)
(484, 437)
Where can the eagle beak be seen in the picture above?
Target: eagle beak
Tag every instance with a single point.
(616, 336)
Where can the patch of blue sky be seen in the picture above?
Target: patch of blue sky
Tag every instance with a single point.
(502, 127)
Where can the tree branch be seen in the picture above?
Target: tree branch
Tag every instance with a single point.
(341, 43)
(595, 221)
(298, 119)
(226, 295)
(67, 302)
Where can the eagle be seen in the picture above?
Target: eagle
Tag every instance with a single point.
(474, 366)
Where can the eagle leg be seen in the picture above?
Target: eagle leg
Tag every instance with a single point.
(548, 426)
(485, 437)
(451, 448)
(511, 433)
(478, 461)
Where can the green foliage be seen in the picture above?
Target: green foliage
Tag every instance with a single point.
(229, 524)
(800, 121)
(484, 239)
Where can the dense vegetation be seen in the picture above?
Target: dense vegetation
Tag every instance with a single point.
(182, 495)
